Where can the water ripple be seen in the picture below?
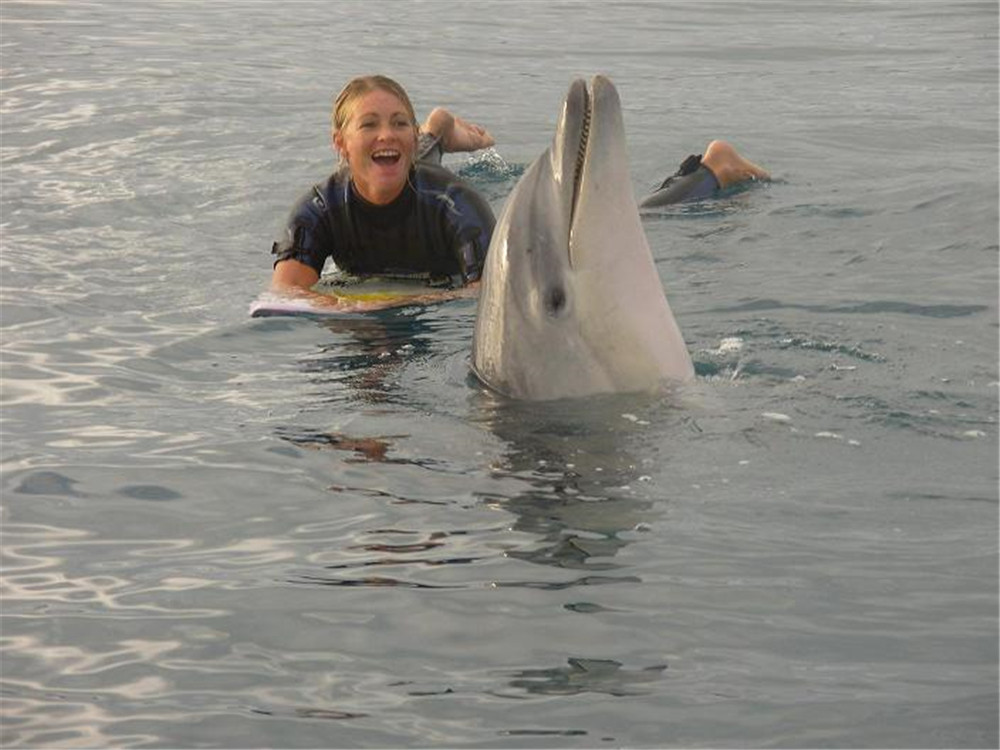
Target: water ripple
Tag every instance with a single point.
(36, 582)
(226, 532)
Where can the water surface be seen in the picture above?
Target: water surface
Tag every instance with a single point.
(225, 532)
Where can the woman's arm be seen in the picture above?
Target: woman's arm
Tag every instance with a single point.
(293, 277)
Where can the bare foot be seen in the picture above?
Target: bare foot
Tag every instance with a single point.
(466, 136)
(455, 133)
(729, 166)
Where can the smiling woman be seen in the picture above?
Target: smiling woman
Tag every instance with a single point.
(375, 131)
(390, 209)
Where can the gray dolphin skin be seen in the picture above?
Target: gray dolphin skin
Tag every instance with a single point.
(571, 303)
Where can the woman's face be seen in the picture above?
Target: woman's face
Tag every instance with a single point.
(379, 141)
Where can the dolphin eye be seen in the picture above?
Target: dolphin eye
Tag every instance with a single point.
(555, 300)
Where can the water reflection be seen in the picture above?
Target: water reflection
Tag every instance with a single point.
(41, 579)
(585, 471)
(49, 483)
(368, 352)
(573, 483)
(568, 472)
(567, 476)
(312, 713)
(587, 676)
(366, 449)
(584, 490)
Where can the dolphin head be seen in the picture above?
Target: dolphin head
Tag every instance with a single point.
(571, 303)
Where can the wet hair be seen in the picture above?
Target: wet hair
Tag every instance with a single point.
(347, 99)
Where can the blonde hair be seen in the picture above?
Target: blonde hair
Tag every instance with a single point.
(347, 99)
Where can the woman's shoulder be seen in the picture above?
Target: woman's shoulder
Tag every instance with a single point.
(321, 197)
(334, 189)
(445, 189)
(437, 177)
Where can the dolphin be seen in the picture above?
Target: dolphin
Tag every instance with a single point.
(570, 302)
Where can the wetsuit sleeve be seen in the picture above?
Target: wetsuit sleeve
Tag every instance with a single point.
(473, 224)
(306, 237)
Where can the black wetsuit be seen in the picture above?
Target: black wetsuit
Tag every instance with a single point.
(692, 181)
(438, 227)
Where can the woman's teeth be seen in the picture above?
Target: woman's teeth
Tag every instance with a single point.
(386, 156)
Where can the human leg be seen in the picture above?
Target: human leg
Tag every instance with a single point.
(691, 182)
(700, 177)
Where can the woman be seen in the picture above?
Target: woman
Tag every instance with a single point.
(390, 209)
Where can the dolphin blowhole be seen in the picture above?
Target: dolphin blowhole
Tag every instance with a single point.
(555, 300)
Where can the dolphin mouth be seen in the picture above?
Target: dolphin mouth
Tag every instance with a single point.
(581, 152)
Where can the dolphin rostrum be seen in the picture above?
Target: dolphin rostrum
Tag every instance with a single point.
(571, 303)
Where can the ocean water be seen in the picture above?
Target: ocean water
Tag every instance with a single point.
(230, 532)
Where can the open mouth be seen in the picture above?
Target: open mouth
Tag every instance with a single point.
(386, 157)
(581, 153)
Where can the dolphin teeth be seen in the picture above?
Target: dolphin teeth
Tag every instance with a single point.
(581, 153)
(584, 136)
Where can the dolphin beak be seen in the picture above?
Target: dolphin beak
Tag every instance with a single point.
(591, 121)
(590, 113)
(569, 145)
